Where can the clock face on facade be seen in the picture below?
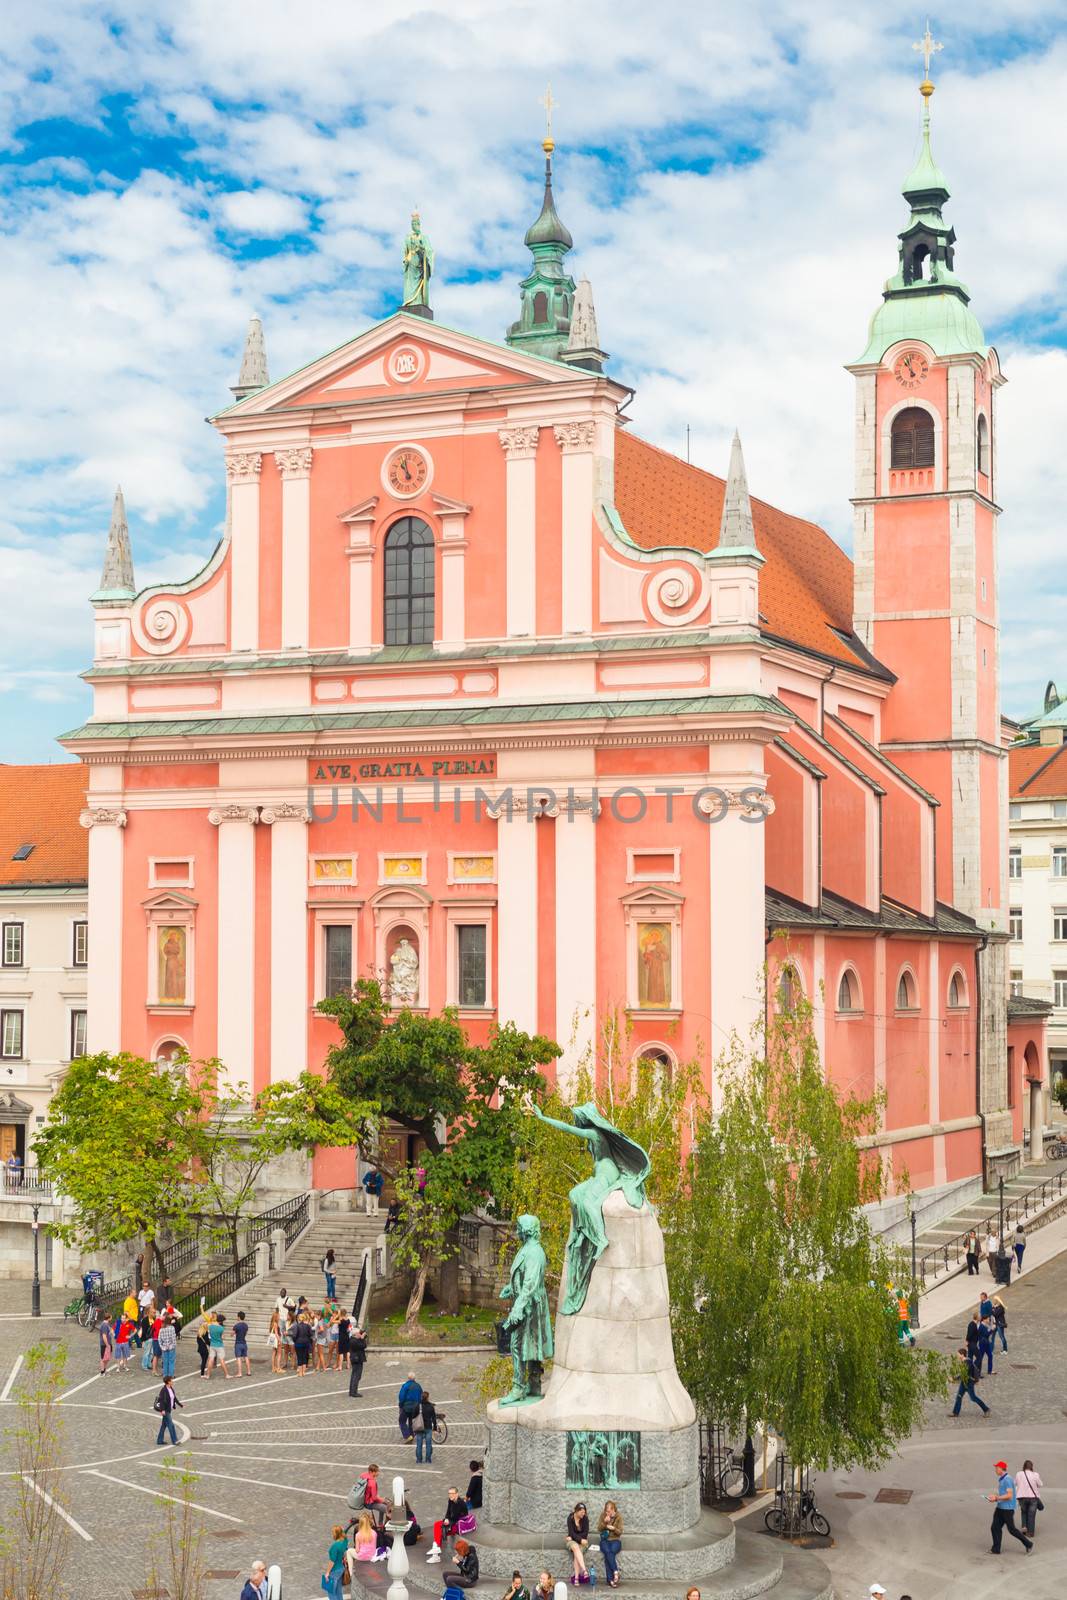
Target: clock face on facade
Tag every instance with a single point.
(911, 369)
(406, 471)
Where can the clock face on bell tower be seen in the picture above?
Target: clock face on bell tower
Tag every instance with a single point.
(406, 471)
(911, 369)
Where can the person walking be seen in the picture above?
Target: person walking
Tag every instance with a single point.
(256, 1587)
(1028, 1488)
(107, 1345)
(329, 1272)
(1000, 1323)
(333, 1576)
(985, 1345)
(578, 1541)
(973, 1251)
(168, 1347)
(423, 1426)
(203, 1346)
(464, 1575)
(967, 1374)
(165, 1402)
(216, 1333)
(992, 1250)
(1020, 1245)
(609, 1528)
(409, 1399)
(240, 1346)
(971, 1335)
(1004, 1502)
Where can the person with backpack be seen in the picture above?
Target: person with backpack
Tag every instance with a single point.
(165, 1402)
(409, 1401)
(372, 1500)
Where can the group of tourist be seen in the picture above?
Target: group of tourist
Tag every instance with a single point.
(371, 1539)
(989, 1322)
(320, 1339)
(142, 1324)
(989, 1249)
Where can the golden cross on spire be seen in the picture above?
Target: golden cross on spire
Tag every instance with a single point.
(927, 46)
(549, 104)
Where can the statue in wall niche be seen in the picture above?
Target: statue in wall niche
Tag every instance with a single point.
(530, 1319)
(404, 974)
(618, 1163)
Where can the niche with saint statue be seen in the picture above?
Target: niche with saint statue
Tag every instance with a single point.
(403, 966)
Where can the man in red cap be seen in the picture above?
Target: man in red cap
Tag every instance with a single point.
(1004, 1512)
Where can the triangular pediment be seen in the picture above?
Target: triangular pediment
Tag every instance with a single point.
(652, 894)
(169, 900)
(403, 356)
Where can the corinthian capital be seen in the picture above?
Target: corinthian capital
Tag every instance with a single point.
(282, 812)
(574, 436)
(294, 463)
(232, 813)
(102, 817)
(520, 444)
(242, 466)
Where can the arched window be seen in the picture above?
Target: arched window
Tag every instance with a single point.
(848, 991)
(657, 1059)
(789, 989)
(409, 583)
(907, 994)
(540, 306)
(957, 990)
(912, 439)
(982, 445)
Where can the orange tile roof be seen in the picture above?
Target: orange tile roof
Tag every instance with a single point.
(806, 583)
(1036, 769)
(40, 806)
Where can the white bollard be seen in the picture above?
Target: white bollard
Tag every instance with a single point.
(398, 1566)
(560, 1591)
(274, 1583)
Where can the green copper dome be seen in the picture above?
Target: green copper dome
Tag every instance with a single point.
(548, 229)
(925, 176)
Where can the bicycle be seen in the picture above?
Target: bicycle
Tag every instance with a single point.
(89, 1315)
(1056, 1151)
(734, 1482)
(440, 1431)
(790, 1519)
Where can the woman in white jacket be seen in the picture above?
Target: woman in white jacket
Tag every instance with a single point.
(1028, 1493)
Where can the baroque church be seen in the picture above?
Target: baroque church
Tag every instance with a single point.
(485, 695)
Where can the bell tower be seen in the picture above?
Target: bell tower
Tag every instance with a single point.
(925, 536)
(544, 323)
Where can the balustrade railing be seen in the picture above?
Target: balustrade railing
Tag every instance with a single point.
(952, 1251)
(291, 1216)
(27, 1183)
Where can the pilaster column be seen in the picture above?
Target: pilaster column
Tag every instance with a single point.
(520, 449)
(295, 468)
(242, 473)
(237, 942)
(576, 441)
(453, 581)
(360, 553)
(517, 909)
(576, 941)
(104, 989)
(737, 912)
(288, 938)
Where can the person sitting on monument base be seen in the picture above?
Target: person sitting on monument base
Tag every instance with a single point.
(455, 1509)
(516, 1589)
(530, 1319)
(546, 1587)
(578, 1541)
(464, 1575)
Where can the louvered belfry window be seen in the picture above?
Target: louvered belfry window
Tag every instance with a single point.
(409, 583)
(913, 439)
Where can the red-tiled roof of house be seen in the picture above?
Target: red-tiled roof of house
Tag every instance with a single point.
(806, 583)
(39, 806)
(1036, 770)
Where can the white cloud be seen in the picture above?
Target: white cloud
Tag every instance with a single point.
(265, 213)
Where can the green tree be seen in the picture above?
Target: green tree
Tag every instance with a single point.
(780, 1293)
(119, 1143)
(236, 1141)
(35, 1553)
(464, 1101)
(175, 1557)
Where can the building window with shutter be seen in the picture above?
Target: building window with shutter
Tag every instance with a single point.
(912, 439)
(13, 944)
(409, 583)
(337, 960)
(81, 944)
(11, 1040)
(471, 964)
(77, 1034)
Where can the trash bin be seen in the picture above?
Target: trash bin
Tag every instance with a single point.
(1004, 1267)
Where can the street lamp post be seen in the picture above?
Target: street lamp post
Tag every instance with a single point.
(914, 1278)
(35, 1302)
(1000, 1186)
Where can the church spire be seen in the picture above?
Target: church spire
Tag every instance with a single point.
(548, 290)
(253, 374)
(736, 530)
(116, 580)
(924, 299)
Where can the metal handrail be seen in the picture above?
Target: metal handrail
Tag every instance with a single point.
(1048, 1189)
(227, 1282)
(26, 1180)
(181, 1252)
(279, 1216)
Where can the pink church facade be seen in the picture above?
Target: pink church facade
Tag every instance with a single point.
(484, 695)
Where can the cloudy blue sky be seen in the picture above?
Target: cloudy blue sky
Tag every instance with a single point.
(730, 174)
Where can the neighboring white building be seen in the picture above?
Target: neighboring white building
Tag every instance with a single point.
(1037, 869)
(44, 949)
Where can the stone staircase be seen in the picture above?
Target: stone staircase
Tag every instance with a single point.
(978, 1213)
(349, 1233)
